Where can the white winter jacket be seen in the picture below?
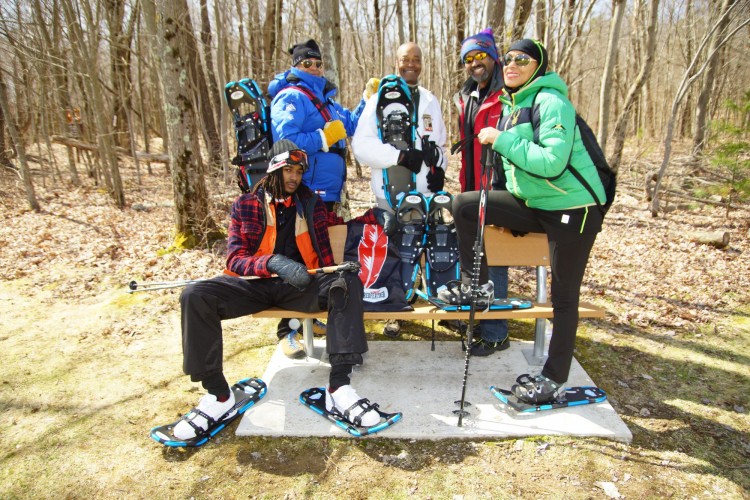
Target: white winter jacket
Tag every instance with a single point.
(371, 151)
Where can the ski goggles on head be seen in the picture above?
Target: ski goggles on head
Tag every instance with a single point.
(476, 57)
(308, 63)
(293, 157)
(519, 59)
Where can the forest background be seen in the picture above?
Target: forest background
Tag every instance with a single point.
(116, 151)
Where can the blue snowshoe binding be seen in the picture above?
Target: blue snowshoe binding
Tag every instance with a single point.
(524, 397)
(441, 259)
(411, 237)
(252, 128)
(396, 118)
(315, 399)
(247, 392)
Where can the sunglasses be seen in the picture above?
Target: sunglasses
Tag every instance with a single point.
(520, 59)
(476, 57)
(295, 156)
(308, 63)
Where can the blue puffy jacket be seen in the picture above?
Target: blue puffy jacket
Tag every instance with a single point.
(295, 117)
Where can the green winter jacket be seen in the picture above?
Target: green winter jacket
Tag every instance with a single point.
(548, 157)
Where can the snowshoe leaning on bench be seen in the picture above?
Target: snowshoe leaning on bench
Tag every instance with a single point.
(246, 393)
(353, 418)
(411, 217)
(441, 259)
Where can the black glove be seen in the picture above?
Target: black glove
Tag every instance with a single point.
(411, 159)
(290, 271)
(435, 179)
(386, 219)
(518, 233)
(431, 152)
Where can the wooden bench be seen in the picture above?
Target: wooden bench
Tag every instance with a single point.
(502, 250)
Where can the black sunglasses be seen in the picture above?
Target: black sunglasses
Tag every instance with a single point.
(307, 63)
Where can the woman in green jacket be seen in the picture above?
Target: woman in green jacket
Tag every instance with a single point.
(542, 197)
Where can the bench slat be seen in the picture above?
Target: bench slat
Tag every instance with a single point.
(427, 312)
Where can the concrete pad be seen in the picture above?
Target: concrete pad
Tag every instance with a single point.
(423, 385)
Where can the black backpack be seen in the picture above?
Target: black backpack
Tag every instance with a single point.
(606, 174)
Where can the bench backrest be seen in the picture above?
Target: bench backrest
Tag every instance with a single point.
(503, 249)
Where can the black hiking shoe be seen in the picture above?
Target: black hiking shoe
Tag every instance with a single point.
(537, 389)
(484, 347)
(454, 325)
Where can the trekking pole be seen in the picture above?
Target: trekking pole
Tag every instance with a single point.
(134, 286)
(483, 188)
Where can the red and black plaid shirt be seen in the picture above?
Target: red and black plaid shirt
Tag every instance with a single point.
(247, 226)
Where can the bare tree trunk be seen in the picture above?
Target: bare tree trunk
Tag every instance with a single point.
(28, 185)
(707, 84)
(88, 61)
(400, 21)
(378, 37)
(204, 100)
(273, 15)
(220, 43)
(119, 60)
(192, 217)
(646, 66)
(411, 5)
(618, 11)
(521, 14)
(459, 12)
(329, 23)
(496, 15)
(685, 85)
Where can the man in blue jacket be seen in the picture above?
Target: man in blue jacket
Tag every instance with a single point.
(303, 111)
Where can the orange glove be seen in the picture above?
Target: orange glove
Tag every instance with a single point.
(371, 88)
(334, 131)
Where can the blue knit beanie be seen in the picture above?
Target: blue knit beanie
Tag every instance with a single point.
(483, 41)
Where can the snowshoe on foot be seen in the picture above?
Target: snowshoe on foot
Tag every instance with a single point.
(349, 419)
(245, 393)
(570, 396)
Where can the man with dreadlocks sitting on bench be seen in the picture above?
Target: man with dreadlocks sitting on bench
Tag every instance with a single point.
(280, 228)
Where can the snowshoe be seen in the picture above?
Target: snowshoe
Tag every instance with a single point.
(441, 262)
(315, 399)
(252, 127)
(410, 215)
(396, 117)
(572, 396)
(247, 392)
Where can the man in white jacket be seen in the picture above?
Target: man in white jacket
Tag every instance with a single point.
(370, 149)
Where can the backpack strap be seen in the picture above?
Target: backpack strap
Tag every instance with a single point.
(535, 125)
(319, 105)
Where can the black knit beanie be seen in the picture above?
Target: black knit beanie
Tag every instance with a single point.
(536, 50)
(307, 50)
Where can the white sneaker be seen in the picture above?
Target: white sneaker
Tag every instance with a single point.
(344, 400)
(209, 406)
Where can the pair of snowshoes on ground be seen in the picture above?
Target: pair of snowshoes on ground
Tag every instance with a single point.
(249, 391)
